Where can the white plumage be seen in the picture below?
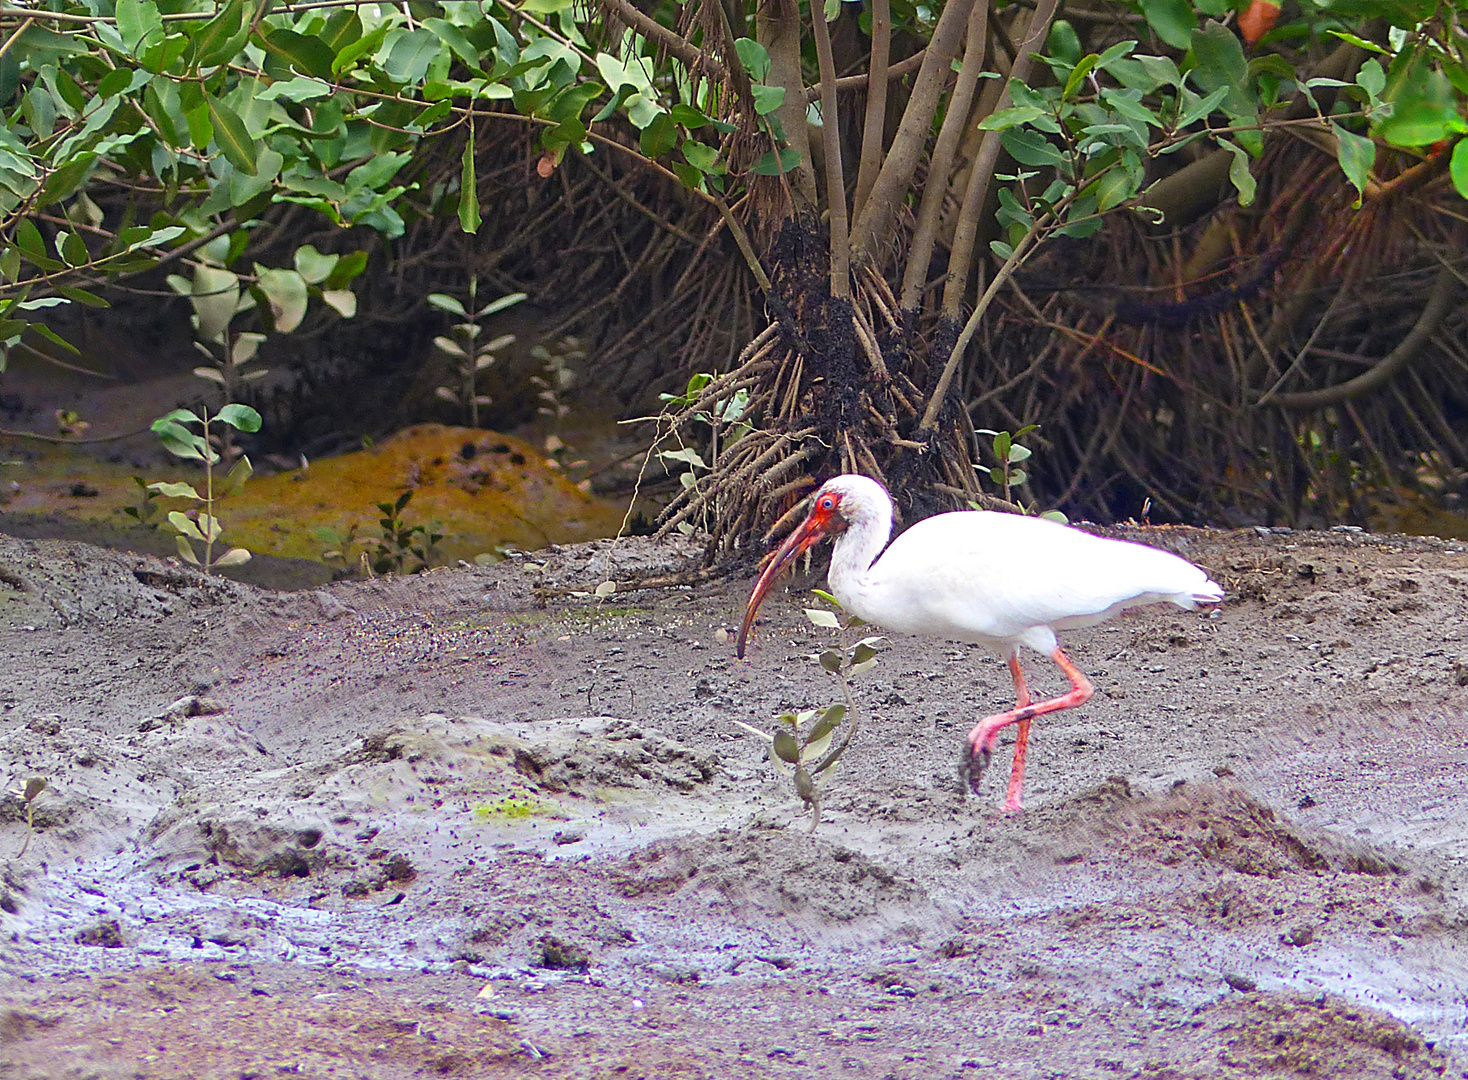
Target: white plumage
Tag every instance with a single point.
(997, 579)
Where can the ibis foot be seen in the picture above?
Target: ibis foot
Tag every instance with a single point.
(972, 765)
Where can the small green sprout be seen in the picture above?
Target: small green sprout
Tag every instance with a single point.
(174, 432)
(801, 744)
(1007, 474)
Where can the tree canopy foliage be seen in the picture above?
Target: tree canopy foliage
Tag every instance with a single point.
(871, 162)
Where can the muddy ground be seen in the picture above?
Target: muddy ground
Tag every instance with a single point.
(469, 823)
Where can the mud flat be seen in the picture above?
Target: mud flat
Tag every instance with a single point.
(472, 823)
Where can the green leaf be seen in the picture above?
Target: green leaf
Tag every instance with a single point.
(1077, 76)
(351, 264)
(1201, 107)
(755, 58)
(1018, 453)
(172, 490)
(444, 302)
(1357, 154)
(307, 55)
(1419, 122)
(66, 180)
(179, 441)
(785, 747)
(1002, 442)
(139, 22)
(469, 217)
(313, 265)
(767, 98)
(54, 338)
(688, 456)
(185, 552)
(831, 660)
(213, 42)
(1130, 107)
(1031, 148)
(1371, 78)
(702, 157)
(177, 416)
(240, 417)
(659, 137)
(185, 525)
(1220, 63)
(72, 249)
(1172, 20)
(234, 483)
(688, 116)
(1238, 171)
(363, 46)
(1008, 118)
(231, 135)
(770, 165)
(1063, 43)
(114, 82)
(233, 557)
(29, 239)
(407, 62)
(1458, 167)
(822, 617)
(826, 724)
(81, 296)
(287, 294)
(453, 37)
(343, 28)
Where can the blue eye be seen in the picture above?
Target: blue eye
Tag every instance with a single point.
(828, 503)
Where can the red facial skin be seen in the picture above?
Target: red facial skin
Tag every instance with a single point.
(824, 520)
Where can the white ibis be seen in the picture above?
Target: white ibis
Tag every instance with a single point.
(1001, 580)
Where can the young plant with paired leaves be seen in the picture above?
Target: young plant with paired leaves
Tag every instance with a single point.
(466, 352)
(803, 745)
(202, 526)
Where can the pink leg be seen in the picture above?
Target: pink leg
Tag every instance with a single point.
(986, 732)
(1022, 735)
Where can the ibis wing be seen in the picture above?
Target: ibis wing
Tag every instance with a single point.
(982, 575)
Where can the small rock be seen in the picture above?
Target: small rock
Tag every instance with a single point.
(562, 956)
(1242, 983)
(1298, 935)
(107, 933)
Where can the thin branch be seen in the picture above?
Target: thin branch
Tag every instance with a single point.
(690, 55)
(21, 29)
(849, 83)
(1011, 264)
(912, 134)
(965, 238)
(1439, 305)
(835, 177)
(741, 237)
(876, 118)
(955, 121)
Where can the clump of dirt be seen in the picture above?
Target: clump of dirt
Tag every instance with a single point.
(1213, 823)
(1315, 1037)
(770, 871)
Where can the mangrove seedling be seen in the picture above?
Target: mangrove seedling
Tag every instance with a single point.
(801, 743)
(174, 430)
(469, 356)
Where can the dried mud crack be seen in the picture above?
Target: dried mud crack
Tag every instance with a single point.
(470, 823)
